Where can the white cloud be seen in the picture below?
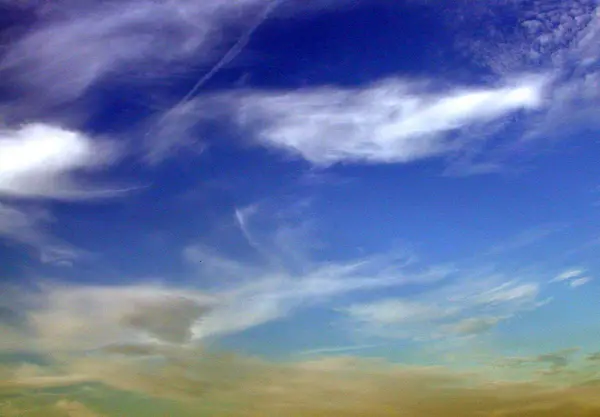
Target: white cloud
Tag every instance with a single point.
(509, 292)
(63, 317)
(69, 50)
(396, 311)
(275, 295)
(580, 281)
(569, 274)
(394, 120)
(39, 160)
(78, 317)
(555, 36)
(462, 309)
(20, 224)
(274, 284)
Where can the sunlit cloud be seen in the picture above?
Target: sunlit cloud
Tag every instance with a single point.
(198, 382)
(392, 121)
(79, 318)
(39, 160)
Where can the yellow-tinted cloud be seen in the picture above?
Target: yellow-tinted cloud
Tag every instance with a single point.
(231, 385)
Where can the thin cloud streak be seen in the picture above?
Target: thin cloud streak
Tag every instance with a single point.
(461, 309)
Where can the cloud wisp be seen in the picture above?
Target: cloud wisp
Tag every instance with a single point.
(229, 295)
(463, 309)
(71, 49)
(391, 121)
(573, 277)
(63, 317)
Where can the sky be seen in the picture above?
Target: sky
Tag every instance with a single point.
(295, 181)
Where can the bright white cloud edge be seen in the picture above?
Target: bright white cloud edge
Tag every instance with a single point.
(43, 161)
(391, 121)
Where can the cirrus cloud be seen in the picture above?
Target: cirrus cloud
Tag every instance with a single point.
(395, 120)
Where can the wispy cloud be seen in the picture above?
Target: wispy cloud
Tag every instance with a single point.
(526, 238)
(557, 360)
(574, 277)
(579, 282)
(231, 296)
(276, 294)
(70, 49)
(339, 349)
(465, 308)
(552, 36)
(395, 120)
(28, 226)
(78, 317)
(20, 224)
(569, 274)
(62, 317)
(475, 325)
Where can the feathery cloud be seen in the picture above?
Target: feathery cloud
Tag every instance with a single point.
(580, 281)
(462, 309)
(72, 47)
(574, 277)
(395, 120)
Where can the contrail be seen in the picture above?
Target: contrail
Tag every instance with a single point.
(231, 54)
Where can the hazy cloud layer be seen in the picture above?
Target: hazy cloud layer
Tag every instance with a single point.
(233, 385)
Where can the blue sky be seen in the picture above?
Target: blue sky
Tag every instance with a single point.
(413, 180)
